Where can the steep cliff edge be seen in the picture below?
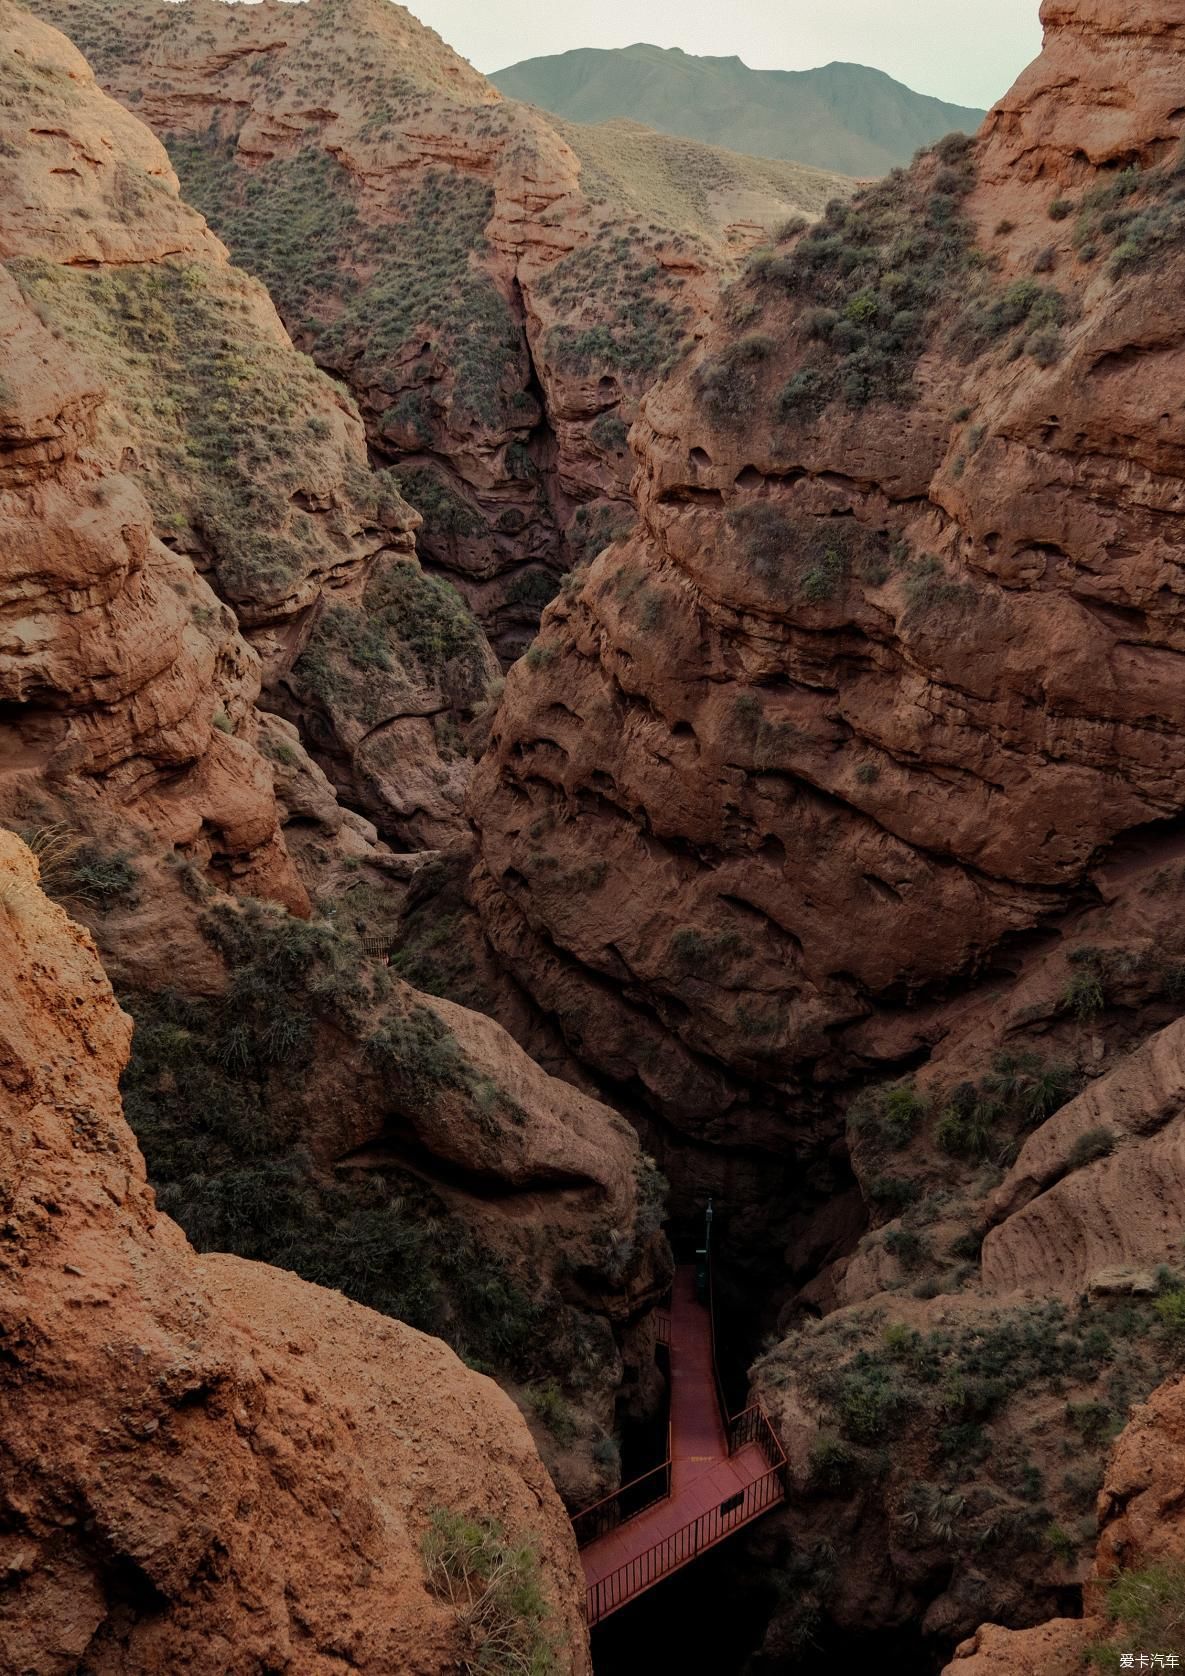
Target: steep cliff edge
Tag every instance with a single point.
(207, 1461)
(1135, 1598)
(496, 288)
(892, 664)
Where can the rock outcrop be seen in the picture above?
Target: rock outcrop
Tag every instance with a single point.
(1135, 1598)
(209, 1462)
(890, 667)
(496, 287)
(116, 659)
(253, 463)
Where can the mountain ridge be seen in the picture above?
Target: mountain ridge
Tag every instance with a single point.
(845, 116)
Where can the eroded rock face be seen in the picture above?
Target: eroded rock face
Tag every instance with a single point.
(253, 464)
(1140, 1537)
(115, 657)
(297, 1102)
(861, 762)
(162, 1413)
(879, 680)
(496, 287)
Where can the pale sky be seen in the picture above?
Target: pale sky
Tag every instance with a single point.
(967, 51)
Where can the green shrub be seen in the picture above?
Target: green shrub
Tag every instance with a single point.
(1045, 346)
(934, 1514)
(1150, 1603)
(218, 413)
(551, 1406)
(1170, 1310)
(421, 1053)
(890, 1115)
(1084, 995)
(907, 1246)
(892, 1193)
(814, 555)
(703, 955)
(1060, 208)
(447, 514)
(215, 1092)
(494, 1588)
(728, 385)
(869, 1400)
(74, 868)
(927, 586)
(1095, 1143)
(988, 318)
(833, 1464)
(871, 277)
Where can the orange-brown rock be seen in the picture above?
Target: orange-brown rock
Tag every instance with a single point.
(253, 463)
(878, 684)
(115, 657)
(150, 392)
(862, 761)
(209, 1463)
(1065, 1219)
(1140, 1531)
(496, 287)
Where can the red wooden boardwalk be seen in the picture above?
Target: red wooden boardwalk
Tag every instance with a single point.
(713, 1490)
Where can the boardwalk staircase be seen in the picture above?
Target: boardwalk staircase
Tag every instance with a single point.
(720, 1473)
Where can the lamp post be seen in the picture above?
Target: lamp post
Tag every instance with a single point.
(703, 1257)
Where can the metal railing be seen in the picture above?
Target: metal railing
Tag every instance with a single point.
(624, 1504)
(755, 1426)
(640, 1493)
(683, 1546)
(751, 1426)
(721, 1395)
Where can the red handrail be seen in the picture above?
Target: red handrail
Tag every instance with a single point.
(751, 1427)
(618, 1508)
(683, 1546)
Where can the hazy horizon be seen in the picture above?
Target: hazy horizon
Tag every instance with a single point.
(968, 52)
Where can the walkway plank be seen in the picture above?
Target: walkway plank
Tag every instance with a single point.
(704, 1476)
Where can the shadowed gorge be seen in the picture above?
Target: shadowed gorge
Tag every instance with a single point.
(592, 853)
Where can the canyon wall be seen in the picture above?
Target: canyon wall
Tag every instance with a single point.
(889, 672)
(253, 464)
(496, 287)
(835, 823)
(204, 1458)
(191, 532)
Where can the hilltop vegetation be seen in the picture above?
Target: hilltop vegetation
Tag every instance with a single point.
(841, 116)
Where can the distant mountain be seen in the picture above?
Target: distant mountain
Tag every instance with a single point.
(843, 116)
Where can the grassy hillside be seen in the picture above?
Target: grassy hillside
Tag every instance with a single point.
(691, 186)
(842, 116)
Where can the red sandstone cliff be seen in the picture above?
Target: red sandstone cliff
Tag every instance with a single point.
(891, 666)
(208, 1462)
(162, 445)
(497, 288)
